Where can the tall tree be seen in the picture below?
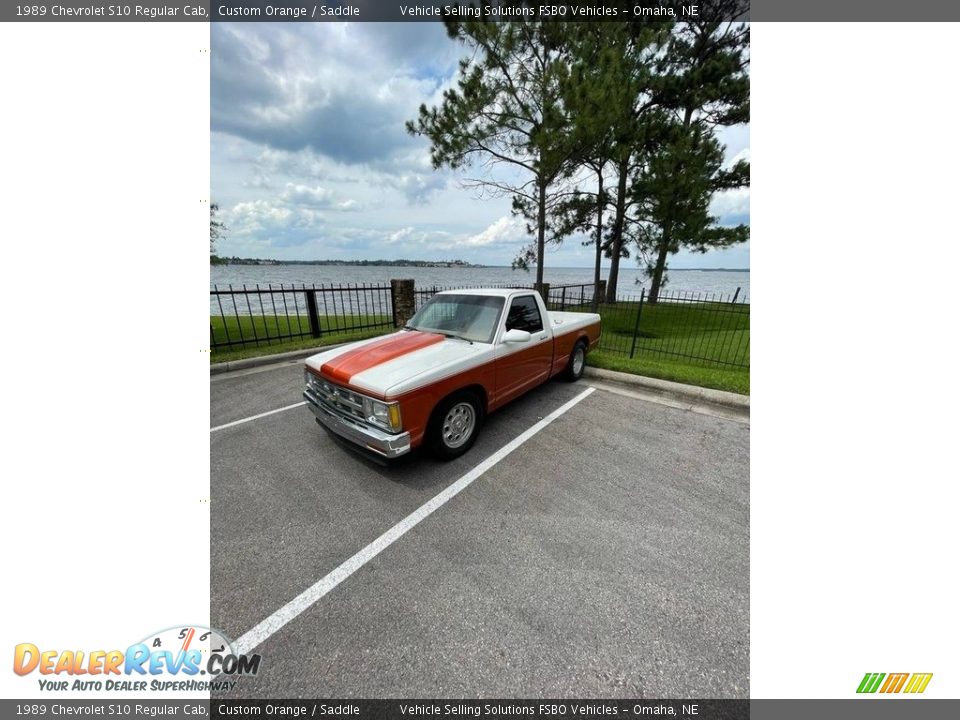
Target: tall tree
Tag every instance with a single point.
(706, 85)
(615, 98)
(507, 112)
(671, 197)
(589, 94)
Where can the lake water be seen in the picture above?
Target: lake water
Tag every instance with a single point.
(708, 282)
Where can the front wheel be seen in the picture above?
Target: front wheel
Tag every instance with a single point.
(455, 425)
(577, 362)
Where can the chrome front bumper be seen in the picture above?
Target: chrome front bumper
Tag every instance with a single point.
(369, 438)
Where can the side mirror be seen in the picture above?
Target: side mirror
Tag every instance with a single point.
(516, 336)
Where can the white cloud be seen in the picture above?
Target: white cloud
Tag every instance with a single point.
(400, 235)
(731, 204)
(505, 231)
(305, 195)
(743, 154)
(249, 217)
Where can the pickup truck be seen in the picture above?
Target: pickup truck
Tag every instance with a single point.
(464, 354)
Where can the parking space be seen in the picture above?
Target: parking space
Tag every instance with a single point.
(605, 556)
(250, 392)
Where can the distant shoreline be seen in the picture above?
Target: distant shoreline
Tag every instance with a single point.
(215, 260)
(419, 263)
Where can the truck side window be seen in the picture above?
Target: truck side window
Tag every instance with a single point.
(524, 315)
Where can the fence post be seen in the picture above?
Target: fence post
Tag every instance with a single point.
(312, 312)
(404, 301)
(544, 291)
(636, 325)
(735, 296)
(563, 299)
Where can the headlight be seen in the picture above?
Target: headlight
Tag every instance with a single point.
(386, 415)
(306, 376)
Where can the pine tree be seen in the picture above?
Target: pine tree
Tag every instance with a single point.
(507, 111)
(671, 197)
(705, 85)
(613, 95)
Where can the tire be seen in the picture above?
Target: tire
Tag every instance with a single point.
(577, 362)
(455, 424)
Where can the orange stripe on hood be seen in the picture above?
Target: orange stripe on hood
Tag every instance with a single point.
(343, 367)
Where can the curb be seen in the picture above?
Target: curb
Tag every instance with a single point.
(673, 389)
(279, 358)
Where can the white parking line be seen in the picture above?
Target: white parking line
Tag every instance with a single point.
(257, 417)
(267, 627)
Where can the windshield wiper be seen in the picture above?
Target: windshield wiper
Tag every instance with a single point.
(453, 335)
(445, 333)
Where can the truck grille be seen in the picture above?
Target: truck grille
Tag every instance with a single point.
(337, 397)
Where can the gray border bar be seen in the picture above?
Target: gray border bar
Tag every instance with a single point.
(873, 708)
(432, 10)
(891, 707)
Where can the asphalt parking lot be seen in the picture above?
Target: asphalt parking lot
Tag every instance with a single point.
(606, 556)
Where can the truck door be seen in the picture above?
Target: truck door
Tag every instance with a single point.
(521, 366)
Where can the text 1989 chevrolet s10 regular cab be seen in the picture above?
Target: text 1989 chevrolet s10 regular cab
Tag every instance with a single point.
(464, 354)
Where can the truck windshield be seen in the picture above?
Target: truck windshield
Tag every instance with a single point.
(469, 317)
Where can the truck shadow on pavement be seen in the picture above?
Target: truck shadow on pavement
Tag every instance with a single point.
(420, 470)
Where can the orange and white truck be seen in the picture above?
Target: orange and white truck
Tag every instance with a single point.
(463, 355)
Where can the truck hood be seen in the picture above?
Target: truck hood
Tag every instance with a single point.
(396, 363)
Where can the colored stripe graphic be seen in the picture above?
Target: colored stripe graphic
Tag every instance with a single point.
(870, 682)
(918, 683)
(343, 367)
(894, 682)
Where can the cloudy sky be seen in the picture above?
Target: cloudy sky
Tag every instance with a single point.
(310, 158)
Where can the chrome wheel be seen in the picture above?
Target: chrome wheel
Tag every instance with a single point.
(458, 425)
(578, 359)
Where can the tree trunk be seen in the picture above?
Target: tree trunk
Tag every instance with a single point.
(541, 179)
(541, 232)
(656, 279)
(599, 249)
(616, 239)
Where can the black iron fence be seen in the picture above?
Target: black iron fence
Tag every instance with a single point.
(708, 329)
(255, 316)
(564, 297)
(422, 294)
(557, 297)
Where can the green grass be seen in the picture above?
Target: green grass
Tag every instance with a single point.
(672, 339)
(732, 380)
(268, 327)
(669, 332)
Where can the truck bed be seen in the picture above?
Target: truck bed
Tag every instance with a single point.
(563, 322)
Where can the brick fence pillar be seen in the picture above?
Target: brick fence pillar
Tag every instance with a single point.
(404, 301)
(544, 291)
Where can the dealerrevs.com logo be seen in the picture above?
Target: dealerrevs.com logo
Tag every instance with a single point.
(894, 683)
(183, 659)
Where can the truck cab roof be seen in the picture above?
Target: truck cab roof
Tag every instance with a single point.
(494, 292)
